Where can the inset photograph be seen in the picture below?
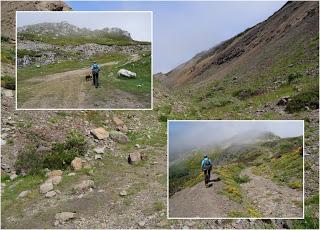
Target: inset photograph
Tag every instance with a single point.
(84, 60)
(235, 169)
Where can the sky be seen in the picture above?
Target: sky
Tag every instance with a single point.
(183, 29)
(138, 24)
(200, 133)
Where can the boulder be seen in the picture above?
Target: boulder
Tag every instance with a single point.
(50, 194)
(123, 193)
(55, 180)
(277, 155)
(283, 101)
(97, 157)
(24, 194)
(13, 176)
(76, 164)
(84, 185)
(126, 73)
(134, 157)
(119, 137)
(55, 173)
(117, 121)
(122, 128)
(46, 187)
(100, 133)
(64, 216)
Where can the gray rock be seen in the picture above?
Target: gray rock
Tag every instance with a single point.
(134, 157)
(24, 194)
(13, 176)
(3, 142)
(119, 137)
(99, 150)
(84, 185)
(100, 133)
(64, 216)
(123, 193)
(97, 157)
(141, 223)
(46, 187)
(50, 194)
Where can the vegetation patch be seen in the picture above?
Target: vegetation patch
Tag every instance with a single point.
(303, 101)
(246, 93)
(8, 82)
(32, 162)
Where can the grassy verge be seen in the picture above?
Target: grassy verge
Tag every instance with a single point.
(288, 169)
(139, 85)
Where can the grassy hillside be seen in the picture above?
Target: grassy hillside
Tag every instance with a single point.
(228, 163)
(69, 40)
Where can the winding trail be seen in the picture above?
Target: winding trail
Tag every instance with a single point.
(271, 199)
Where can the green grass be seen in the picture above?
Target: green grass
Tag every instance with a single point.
(69, 40)
(288, 169)
(311, 217)
(14, 188)
(8, 53)
(140, 85)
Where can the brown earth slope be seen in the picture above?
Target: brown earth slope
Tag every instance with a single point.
(295, 20)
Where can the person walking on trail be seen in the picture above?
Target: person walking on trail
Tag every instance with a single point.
(95, 68)
(206, 167)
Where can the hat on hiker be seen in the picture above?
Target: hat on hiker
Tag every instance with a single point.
(205, 156)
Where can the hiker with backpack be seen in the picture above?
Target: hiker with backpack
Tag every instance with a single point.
(206, 167)
(95, 68)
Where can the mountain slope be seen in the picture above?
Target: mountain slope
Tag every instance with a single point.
(64, 29)
(295, 20)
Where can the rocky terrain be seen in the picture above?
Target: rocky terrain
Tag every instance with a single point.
(49, 43)
(124, 195)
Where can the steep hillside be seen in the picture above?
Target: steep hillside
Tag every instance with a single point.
(295, 22)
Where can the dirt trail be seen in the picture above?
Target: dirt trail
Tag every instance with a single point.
(72, 73)
(272, 199)
(71, 90)
(199, 201)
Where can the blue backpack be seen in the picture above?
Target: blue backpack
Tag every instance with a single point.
(206, 165)
(95, 68)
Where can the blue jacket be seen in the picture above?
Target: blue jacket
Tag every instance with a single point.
(204, 160)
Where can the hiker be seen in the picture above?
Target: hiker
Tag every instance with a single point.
(206, 167)
(95, 68)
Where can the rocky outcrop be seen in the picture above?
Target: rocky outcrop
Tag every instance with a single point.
(8, 27)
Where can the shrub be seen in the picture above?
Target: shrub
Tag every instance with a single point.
(63, 153)
(4, 39)
(293, 76)
(242, 179)
(302, 100)
(246, 93)
(29, 161)
(295, 184)
(23, 52)
(60, 156)
(8, 82)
